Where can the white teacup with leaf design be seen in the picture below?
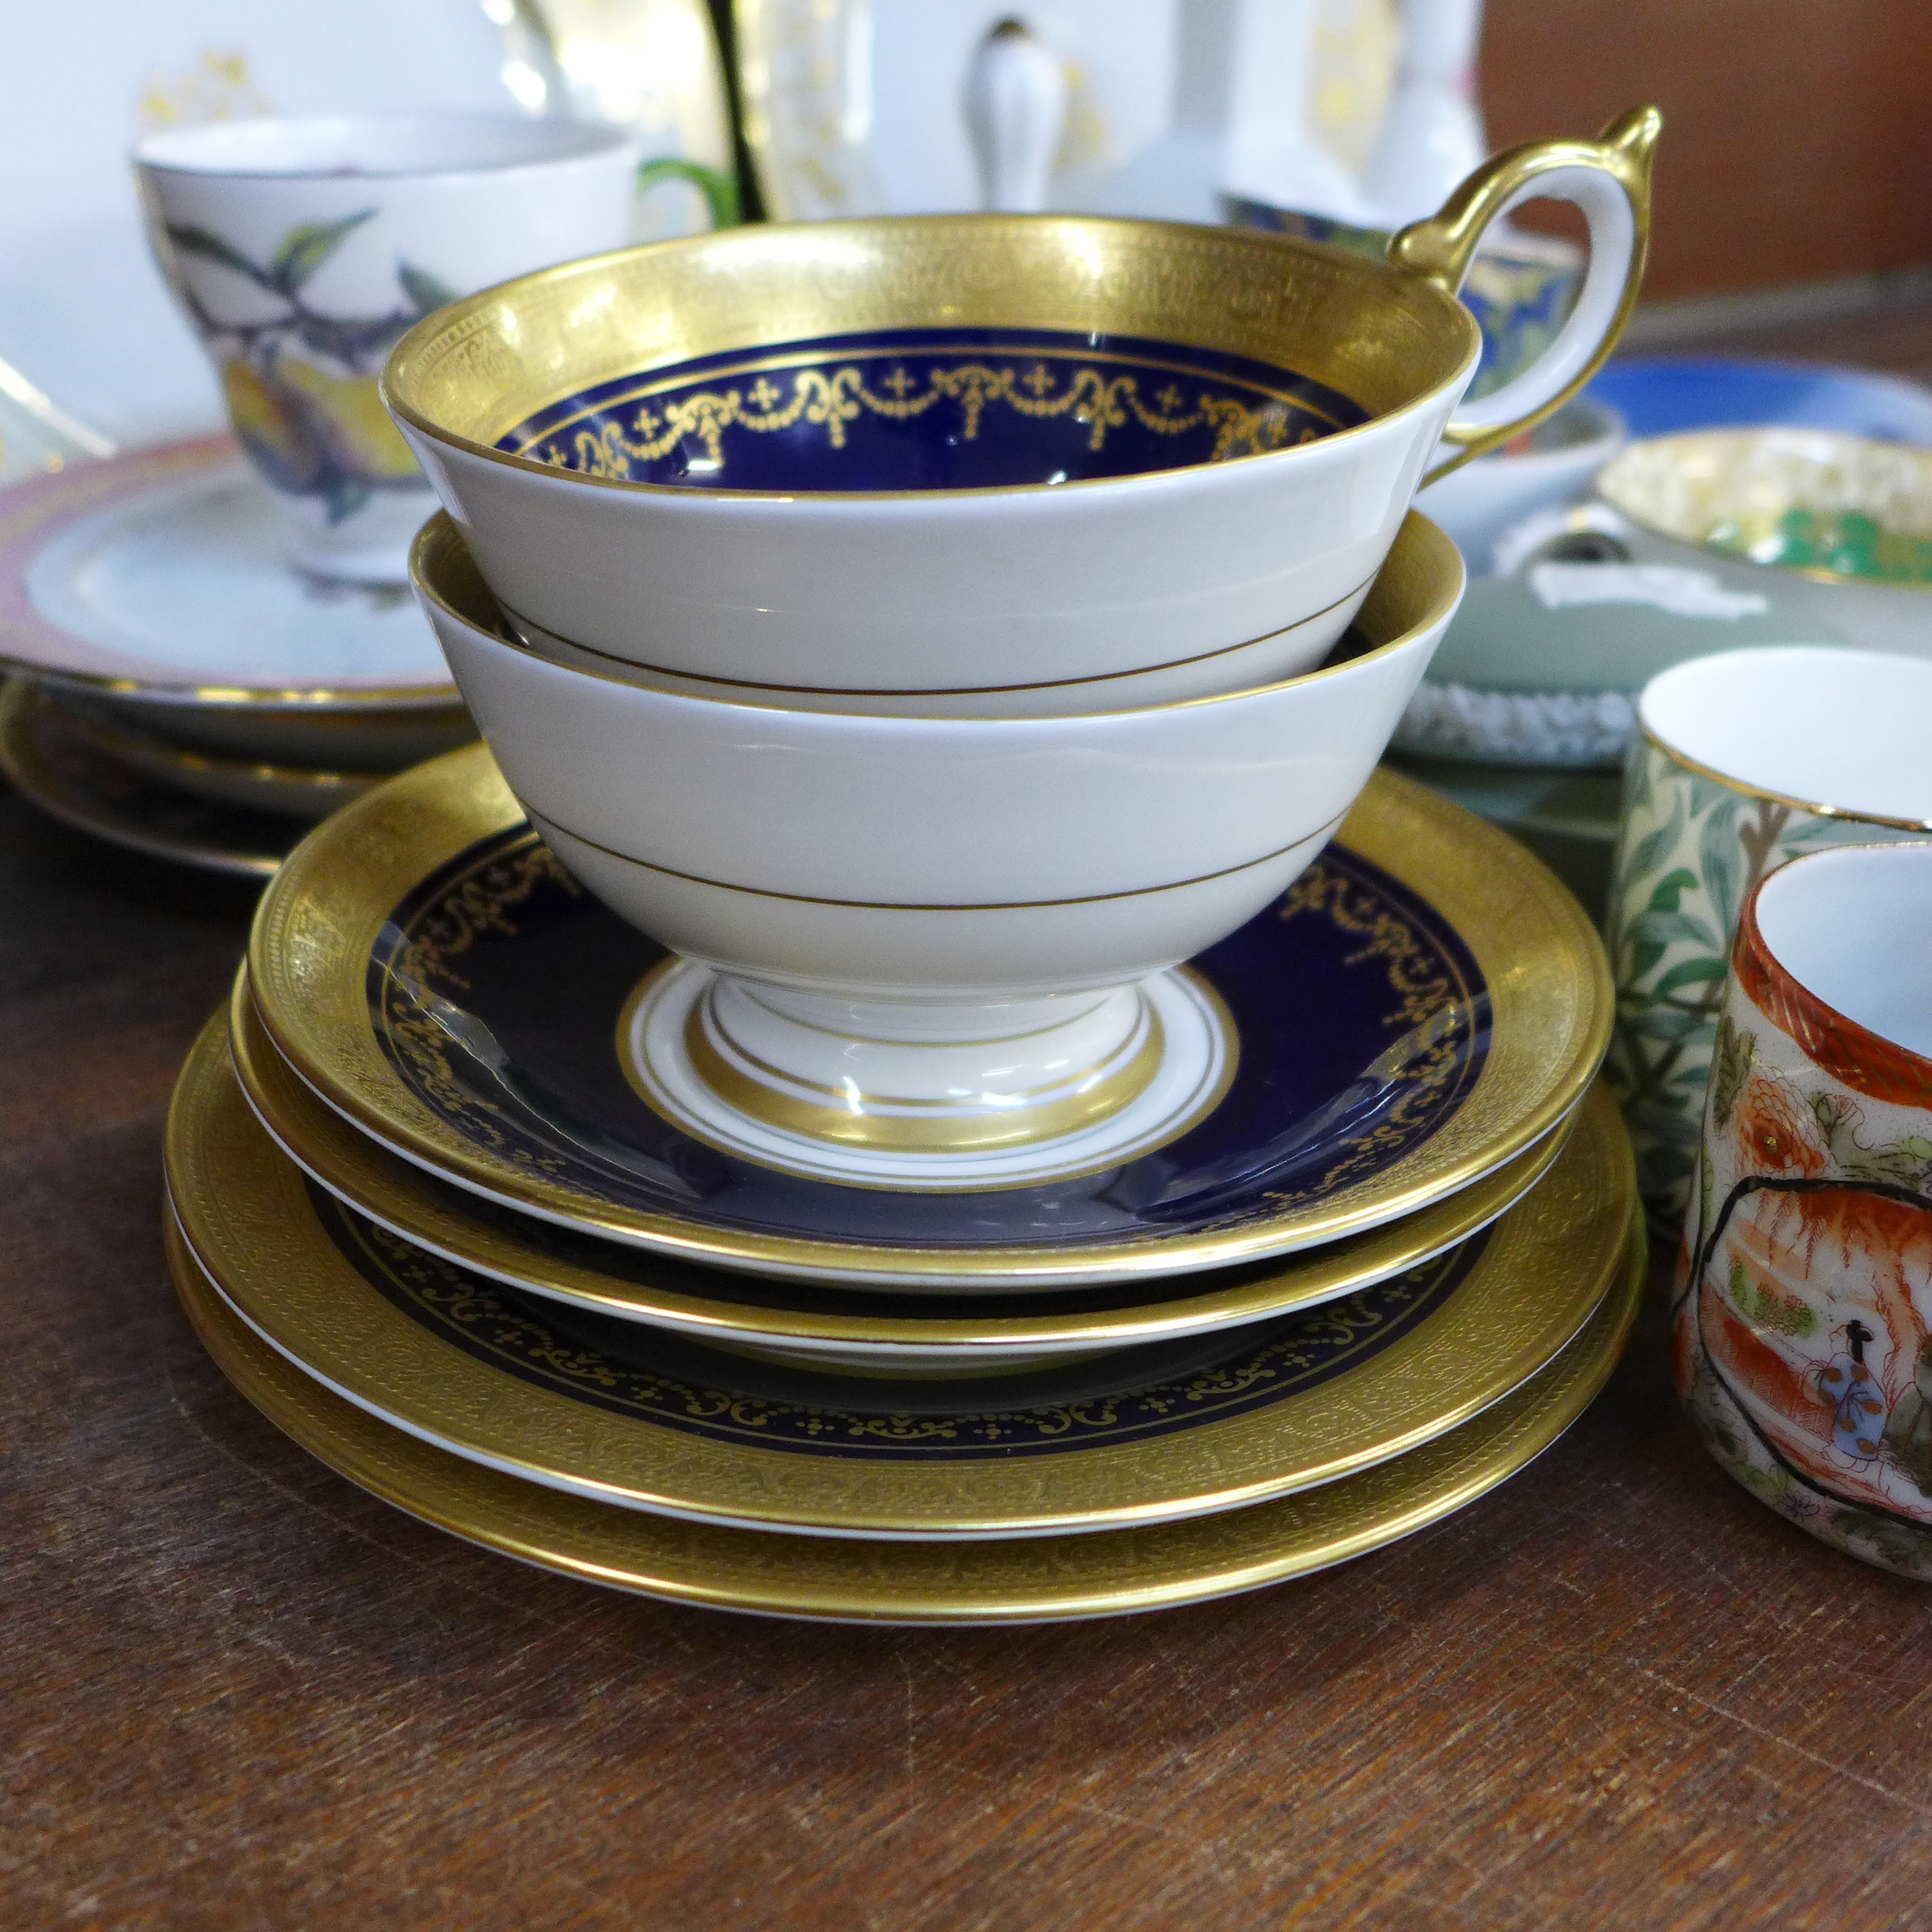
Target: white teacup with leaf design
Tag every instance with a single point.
(1743, 761)
(302, 250)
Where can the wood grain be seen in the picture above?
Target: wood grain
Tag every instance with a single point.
(238, 1692)
(1792, 129)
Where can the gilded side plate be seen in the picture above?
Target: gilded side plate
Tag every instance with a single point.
(82, 786)
(861, 1324)
(159, 573)
(1036, 1579)
(299, 792)
(475, 1369)
(410, 965)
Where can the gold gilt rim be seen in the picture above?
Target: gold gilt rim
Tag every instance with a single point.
(1678, 756)
(1818, 573)
(404, 698)
(1423, 567)
(400, 1196)
(774, 283)
(23, 762)
(778, 695)
(1027, 1580)
(245, 1210)
(1548, 981)
(88, 487)
(133, 744)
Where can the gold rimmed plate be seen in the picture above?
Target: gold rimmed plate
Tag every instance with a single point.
(1035, 1579)
(83, 786)
(1421, 1007)
(483, 1373)
(158, 575)
(249, 785)
(951, 1331)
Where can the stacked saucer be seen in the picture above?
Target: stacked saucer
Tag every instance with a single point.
(179, 689)
(425, 1220)
(923, 1075)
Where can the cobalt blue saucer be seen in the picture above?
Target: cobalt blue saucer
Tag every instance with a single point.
(1422, 1005)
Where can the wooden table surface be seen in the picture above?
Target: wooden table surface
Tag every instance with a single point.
(240, 1693)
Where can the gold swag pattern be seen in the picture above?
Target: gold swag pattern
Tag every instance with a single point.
(832, 399)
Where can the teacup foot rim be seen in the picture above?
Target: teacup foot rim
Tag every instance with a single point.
(1158, 1075)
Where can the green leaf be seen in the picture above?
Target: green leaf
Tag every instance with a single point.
(1690, 1079)
(1666, 1123)
(1807, 831)
(1692, 972)
(1665, 1023)
(1650, 850)
(427, 291)
(1639, 767)
(1660, 1169)
(1730, 1066)
(1717, 856)
(304, 249)
(1665, 927)
(1672, 887)
(204, 242)
(1644, 954)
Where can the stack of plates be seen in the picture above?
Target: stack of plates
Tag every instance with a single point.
(177, 688)
(426, 1223)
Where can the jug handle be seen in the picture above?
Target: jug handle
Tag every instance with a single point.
(1609, 178)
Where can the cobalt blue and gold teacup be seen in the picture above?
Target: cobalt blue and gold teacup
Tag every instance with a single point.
(980, 455)
(929, 952)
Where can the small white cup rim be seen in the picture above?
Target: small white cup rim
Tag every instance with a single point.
(573, 141)
(1742, 665)
(1791, 935)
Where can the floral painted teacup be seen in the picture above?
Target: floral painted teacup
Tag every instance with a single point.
(302, 249)
(1742, 760)
(1803, 1321)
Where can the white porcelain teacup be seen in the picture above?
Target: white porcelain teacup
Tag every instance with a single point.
(928, 951)
(302, 249)
(976, 455)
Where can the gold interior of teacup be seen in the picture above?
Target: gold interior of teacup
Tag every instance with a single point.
(1418, 585)
(475, 370)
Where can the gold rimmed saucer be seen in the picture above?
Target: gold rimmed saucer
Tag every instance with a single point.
(1034, 1579)
(82, 786)
(155, 574)
(1476, 990)
(904, 1330)
(249, 785)
(468, 1366)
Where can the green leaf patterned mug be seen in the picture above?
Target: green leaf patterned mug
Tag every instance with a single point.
(1742, 761)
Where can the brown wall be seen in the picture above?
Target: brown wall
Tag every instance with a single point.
(1798, 134)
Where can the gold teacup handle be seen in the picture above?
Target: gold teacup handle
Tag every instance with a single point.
(1609, 178)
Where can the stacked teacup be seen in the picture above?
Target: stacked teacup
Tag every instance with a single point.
(949, 642)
